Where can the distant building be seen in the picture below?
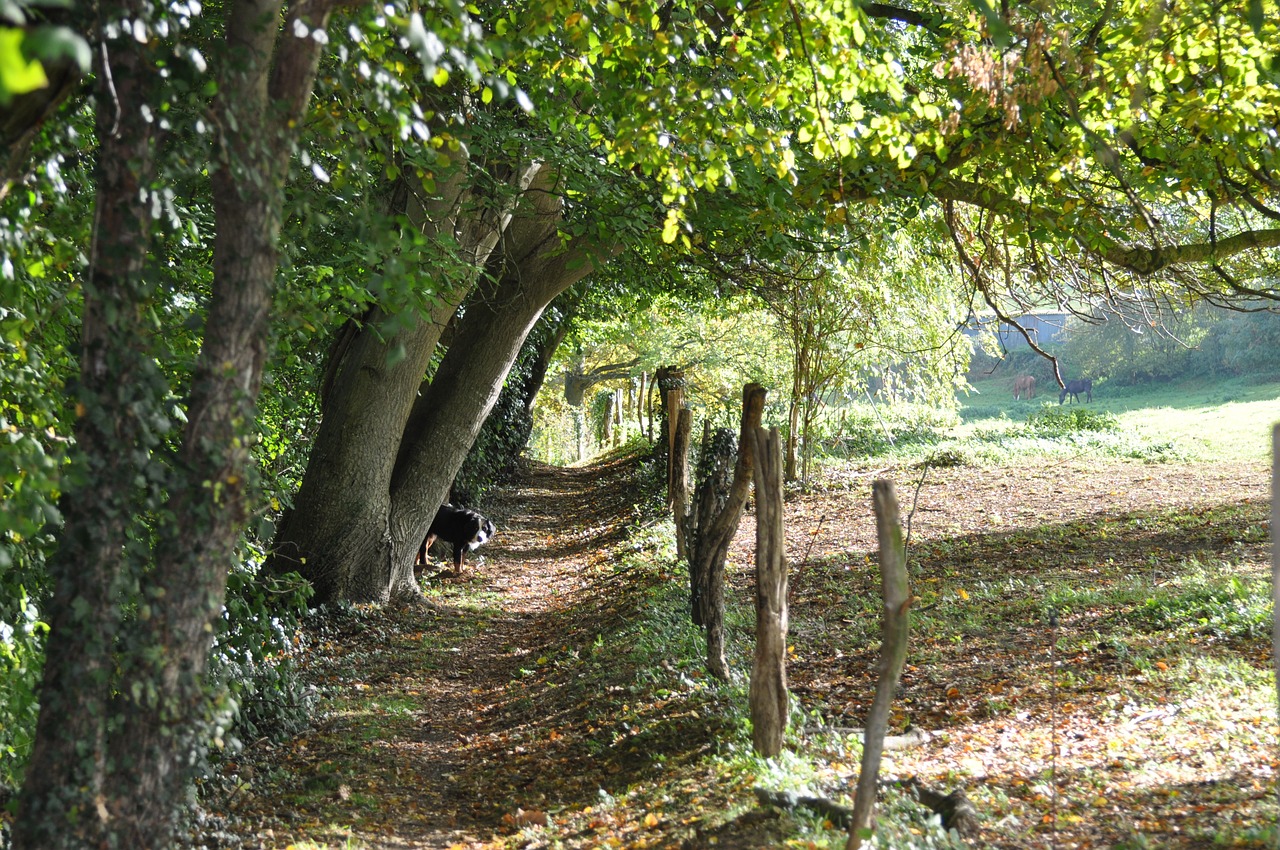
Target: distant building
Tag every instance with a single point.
(1043, 327)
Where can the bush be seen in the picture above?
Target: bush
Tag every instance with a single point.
(253, 654)
(21, 661)
(1057, 421)
(857, 430)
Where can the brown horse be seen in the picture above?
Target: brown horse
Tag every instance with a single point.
(1024, 386)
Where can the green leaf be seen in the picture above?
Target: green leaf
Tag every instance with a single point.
(18, 75)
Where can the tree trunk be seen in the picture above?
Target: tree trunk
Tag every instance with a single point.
(121, 784)
(119, 384)
(267, 84)
(606, 421)
(339, 515)
(338, 534)
(791, 468)
(449, 414)
(893, 653)
(768, 690)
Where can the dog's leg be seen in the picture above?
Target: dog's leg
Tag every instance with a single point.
(422, 550)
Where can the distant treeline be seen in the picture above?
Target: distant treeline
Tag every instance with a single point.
(1205, 342)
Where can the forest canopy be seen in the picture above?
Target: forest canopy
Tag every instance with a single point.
(268, 267)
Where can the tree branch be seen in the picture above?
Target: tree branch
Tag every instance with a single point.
(1138, 259)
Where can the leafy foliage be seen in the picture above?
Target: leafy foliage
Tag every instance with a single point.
(1058, 420)
(21, 657)
(254, 651)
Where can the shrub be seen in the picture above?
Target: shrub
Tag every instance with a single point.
(21, 660)
(253, 654)
(1057, 421)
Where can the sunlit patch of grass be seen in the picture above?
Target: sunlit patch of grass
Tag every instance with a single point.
(1195, 420)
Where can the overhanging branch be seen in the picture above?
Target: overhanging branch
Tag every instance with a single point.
(1141, 260)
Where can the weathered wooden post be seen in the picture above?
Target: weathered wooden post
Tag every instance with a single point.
(667, 379)
(715, 530)
(768, 691)
(680, 480)
(675, 399)
(893, 653)
(1275, 555)
(715, 480)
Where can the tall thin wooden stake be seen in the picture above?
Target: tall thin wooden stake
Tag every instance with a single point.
(675, 398)
(1275, 556)
(768, 691)
(893, 654)
(680, 480)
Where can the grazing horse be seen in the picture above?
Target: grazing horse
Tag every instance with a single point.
(1074, 388)
(1024, 386)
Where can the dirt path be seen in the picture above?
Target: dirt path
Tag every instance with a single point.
(469, 724)
(420, 747)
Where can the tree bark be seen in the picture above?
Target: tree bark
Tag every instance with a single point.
(338, 534)
(893, 654)
(768, 690)
(66, 773)
(266, 84)
(449, 413)
(120, 784)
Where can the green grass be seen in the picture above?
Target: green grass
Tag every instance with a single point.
(1219, 420)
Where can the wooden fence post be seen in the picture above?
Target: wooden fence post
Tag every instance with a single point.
(716, 526)
(680, 480)
(675, 398)
(893, 654)
(1275, 556)
(768, 690)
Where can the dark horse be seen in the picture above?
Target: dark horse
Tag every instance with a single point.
(1074, 388)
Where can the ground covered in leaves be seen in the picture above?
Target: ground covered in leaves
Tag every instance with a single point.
(1089, 662)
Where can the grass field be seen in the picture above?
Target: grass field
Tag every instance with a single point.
(1204, 420)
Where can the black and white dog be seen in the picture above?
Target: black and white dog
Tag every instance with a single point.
(464, 528)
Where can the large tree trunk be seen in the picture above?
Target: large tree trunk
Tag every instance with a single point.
(338, 534)
(448, 415)
(136, 756)
(403, 442)
(66, 771)
(267, 84)
(339, 515)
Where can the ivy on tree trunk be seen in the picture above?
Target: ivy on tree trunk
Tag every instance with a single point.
(114, 745)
